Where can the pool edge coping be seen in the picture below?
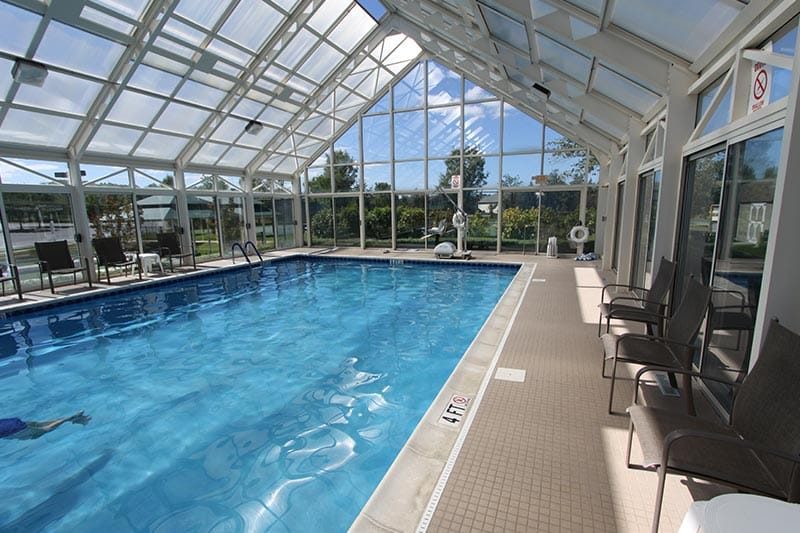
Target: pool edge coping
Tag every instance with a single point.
(407, 495)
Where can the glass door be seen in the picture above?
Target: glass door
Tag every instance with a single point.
(284, 223)
(617, 223)
(641, 230)
(264, 223)
(231, 214)
(203, 222)
(743, 232)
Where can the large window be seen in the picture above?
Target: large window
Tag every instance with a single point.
(231, 216)
(264, 223)
(158, 213)
(203, 226)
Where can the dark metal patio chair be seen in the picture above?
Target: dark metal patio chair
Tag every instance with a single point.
(55, 258)
(757, 451)
(11, 273)
(169, 245)
(672, 350)
(110, 254)
(650, 308)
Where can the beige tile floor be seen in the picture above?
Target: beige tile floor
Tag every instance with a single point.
(541, 455)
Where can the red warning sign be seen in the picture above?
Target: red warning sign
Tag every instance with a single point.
(759, 96)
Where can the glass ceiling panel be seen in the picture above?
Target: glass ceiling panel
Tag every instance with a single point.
(275, 116)
(209, 153)
(230, 129)
(182, 118)
(295, 50)
(135, 108)
(104, 19)
(114, 139)
(72, 48)
(153, 79)
(287, 5)
(18, 29)
(353, 27)
(251, 24)
(5, 81)
(327, 14)
(201, 94)
(684, 27)
(321, 62)
(260, 139)
(562, 58)
(161, 146)
(248, 108)
(37, 128)
(129, 8)
(592, 6)
(402, 55)
(60, 92)
(623, 90)
(505, 28)
(202, 12)
(184, 32)
(223, 49)
(238, 157)
(157, 60)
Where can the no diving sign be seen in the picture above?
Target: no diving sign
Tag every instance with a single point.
(759, 93)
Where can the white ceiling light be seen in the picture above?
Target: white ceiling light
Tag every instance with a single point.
(28, 72)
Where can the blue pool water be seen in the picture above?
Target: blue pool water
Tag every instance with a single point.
(271, 398)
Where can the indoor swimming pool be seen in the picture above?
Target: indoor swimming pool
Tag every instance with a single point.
(252, 399)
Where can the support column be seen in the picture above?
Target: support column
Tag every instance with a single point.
(612, 175)
(185, 227)
(602, 210)
(781, 284)
(680, 123)
(83, 231)
(628, 219)
(297, 217)
(249, 208)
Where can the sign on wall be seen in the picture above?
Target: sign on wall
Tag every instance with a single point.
(759, 89)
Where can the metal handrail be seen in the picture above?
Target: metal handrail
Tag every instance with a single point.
(253, 245)
(233, 249)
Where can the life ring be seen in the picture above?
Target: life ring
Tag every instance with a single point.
(579, 234)
(459, 220)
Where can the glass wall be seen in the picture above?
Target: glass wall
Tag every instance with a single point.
(378, 220)
(203, 226)
(264, 223)
(617, 222)
(284, 222)
(641, 228)
(158, 213)
(320, 217)
(347, 222)
(436, 129)
(112, 215)
(231, 217)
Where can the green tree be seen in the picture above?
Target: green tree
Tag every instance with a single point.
(473, 177)
(112, 215)
(581, 162)
(345, 174)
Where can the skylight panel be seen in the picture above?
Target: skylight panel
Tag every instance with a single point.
(19, 26)
(161, 146)
(248, 108)
(28, 127)
(5, 81)
(129, 8)
(321, 62)
(213, 80)
(106, 20)
(238, 157)
(201, 94)
(158, 61)
(184, 32)
(230, 129)
(356, 25)
(309, 124)
(623, 90)
(324, 130)
(594, 7)
(275, 116)
(209, 153)
(251, 24)
(154, 80)
(260, 139)
(287, 166)
(374, 7)
(135, 108)
(684, 27)
(327, 13)
(182, 118)
(407, 51)
(299, 84)
(287, 5)
(202, 12)
(114, 139)
(565, 59)
(229, 52)
(60, 92)
(295, 50)
(74, 49)
(168, 45)
(505, 28)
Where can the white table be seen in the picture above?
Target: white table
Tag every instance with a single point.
(734, 513)
(148, 261)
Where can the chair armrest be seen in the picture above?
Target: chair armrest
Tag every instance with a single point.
(43, 266)
(644, 370)
(679, 434)
(165, 251)
(635, 299)
(742, 307)
(738, 294)
(653, 338)
(629, 287)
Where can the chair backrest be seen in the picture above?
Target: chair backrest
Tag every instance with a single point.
(109, 250)
(56, 253)
(767, 407)
(170, 241)
(688, 316)
(662, 284)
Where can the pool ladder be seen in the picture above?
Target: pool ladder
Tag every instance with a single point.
(244, 248)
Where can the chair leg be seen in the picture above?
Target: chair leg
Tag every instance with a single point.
(17, 281)
(662, 479)
(600, 325)
(50, 278)
(630, 444)
(108, 276)
(611, 391)
(88, 272)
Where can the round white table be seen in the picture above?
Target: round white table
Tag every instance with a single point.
(734, 513)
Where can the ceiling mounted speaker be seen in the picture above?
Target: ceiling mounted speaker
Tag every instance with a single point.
(253, 127)
(28, 72)
(542, 89)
